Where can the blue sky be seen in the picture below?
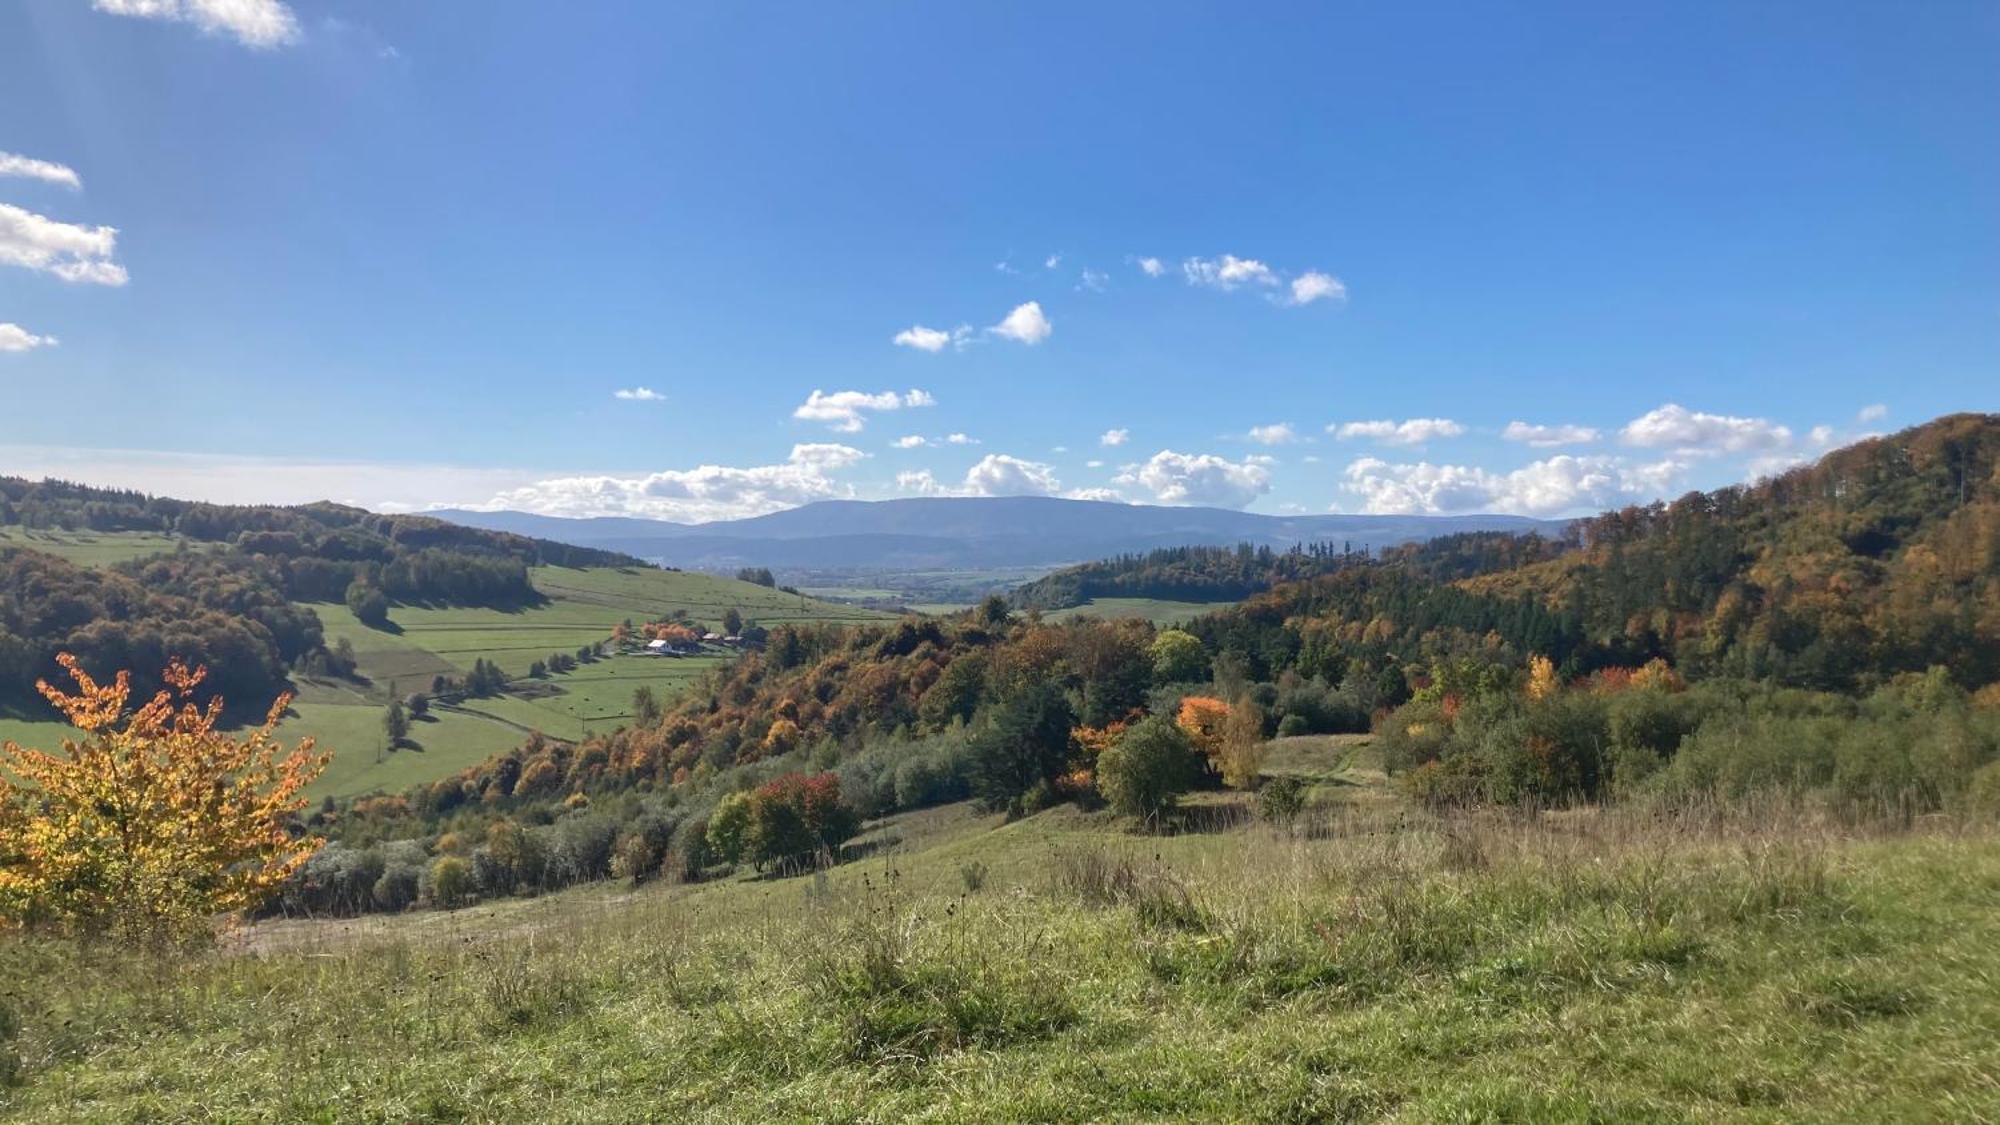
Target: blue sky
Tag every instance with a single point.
(408, 254)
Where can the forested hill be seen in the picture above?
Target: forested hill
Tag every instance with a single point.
(1880, 558)
(231, 602)
(325, 529)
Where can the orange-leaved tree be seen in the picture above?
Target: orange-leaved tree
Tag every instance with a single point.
(154, 821)
(1203, 719)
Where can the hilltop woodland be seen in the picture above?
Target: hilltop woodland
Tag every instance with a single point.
(1187, 574)
(226, 599)
(1833, 633)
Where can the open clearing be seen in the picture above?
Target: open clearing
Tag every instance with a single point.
(89, 548)
(1157, 610)
(1370, 962)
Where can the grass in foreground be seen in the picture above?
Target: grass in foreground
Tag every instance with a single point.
(1581, 966)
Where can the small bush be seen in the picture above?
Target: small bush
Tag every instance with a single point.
(1282, 800)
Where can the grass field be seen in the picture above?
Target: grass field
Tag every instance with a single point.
(582, 608)
(89, 548)
(1157, 610)
(1371, 963)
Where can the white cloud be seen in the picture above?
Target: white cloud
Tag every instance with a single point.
(1821, 435)
(843, 410)
(254, 23)
(707, 492)
(73, 253)
(1152, 267)
(960, 439)
(1114, 437)
(1562, 483)
(1092, 280)
(1054, 261)
(1415, 431)
(1691, 431)
(28, 168)
(14, 338)
(920, 481)
(911, 441)
(1874, 412)
(1107, 495)
(1313, 285)
(1203, 479)
(1547, 437)
(1025, 324)
(1227, 272)
(1277, 433)
(932, 339)
(639, 394)
(1093, 464)
(997, 474)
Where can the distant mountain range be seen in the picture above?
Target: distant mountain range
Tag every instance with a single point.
(942, 533)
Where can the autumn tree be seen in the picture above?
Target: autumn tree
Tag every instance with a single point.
(1240, 756)
(154, 821)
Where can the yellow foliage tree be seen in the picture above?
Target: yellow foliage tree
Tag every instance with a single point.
(1542, 681)
(155, 821)
(1241, 755)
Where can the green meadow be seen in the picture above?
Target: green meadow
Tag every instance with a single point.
(1367, 961)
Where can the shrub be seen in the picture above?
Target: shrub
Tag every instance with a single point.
(1282, 800)
(451, 882)
(1151, 764)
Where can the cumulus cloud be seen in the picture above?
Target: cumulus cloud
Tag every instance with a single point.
(1151, 267)
(14, 338)
(911, 441)
(1053, 261)
(1092, 280)
(1202, 479)
(1415, 431)
(844, 410)
(1560, 484)
(639, 394)
(1227, 272)
(1873, 412)
(932, 339)
(1106, 495)
(1277, 433)
(1546, 437)
(28, 168)
(254, 23)
(1691, 431)
(1313, 285)
(960, 439)
(1025, 324)
(71, 252)
(707, 492)
(997, 474)
(1114, 437)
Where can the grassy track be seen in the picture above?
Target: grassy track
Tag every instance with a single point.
(1373, 963)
